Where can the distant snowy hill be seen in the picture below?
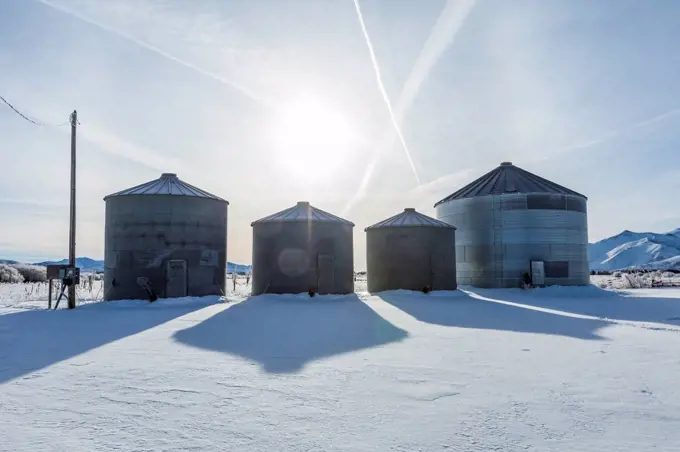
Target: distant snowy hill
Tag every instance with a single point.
(644, 250)
(87, 264)
(238, 268)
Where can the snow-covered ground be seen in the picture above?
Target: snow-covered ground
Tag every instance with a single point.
(35, 295)
(556, 369)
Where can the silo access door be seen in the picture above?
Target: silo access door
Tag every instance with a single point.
(440, 263)
(325, 275)
(176, 279)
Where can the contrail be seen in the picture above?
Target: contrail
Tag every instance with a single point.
(449, 22)
(156, 50)
(361, 191)
(381, 87)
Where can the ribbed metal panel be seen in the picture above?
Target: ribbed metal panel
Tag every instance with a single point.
(498, 235)
(303, 212)
(410, 218)
(301, 249)
(508, 179)
(167, 184)
(411, 257)
(143, 233)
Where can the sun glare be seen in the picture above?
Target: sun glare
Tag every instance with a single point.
(312, 139)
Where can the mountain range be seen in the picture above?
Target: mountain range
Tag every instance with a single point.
(643, 250)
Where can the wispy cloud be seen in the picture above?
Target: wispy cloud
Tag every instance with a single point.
(239, 87)
(114, 145)
(613, 134)
(445, 184)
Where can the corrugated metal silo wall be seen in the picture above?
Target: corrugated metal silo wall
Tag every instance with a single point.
(498, 236)
(142, 233)
(411, 258)
(286, 257)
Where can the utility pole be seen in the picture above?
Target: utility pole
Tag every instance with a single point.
(72, 225)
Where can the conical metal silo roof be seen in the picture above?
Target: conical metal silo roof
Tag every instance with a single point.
(303, 212)
(410, 218)
(167, 184)
(508, 178)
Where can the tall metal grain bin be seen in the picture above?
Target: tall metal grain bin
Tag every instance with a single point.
(166, 235)
(411, 251)
(508, 219)
(303, 248)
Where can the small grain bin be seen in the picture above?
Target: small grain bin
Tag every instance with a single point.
(411, 251)
(300, 249)
(511, 222)
(167, 237)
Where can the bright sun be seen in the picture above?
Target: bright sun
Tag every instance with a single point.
(312, 139)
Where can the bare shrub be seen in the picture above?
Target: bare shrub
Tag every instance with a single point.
(633, 281)
(9, 274)
(32, 273)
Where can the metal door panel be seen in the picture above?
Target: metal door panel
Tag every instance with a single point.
(325, 273)
(176, 281)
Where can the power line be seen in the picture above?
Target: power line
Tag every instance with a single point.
(19, 113)
(29, 119)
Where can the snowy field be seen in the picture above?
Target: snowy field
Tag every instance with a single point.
(556, 369)
(35, 295)
(623, 281)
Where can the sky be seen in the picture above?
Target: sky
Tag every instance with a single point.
(270, 102)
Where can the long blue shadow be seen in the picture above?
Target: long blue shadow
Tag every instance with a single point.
(283, 334)
(460, 310)
(34, 339)
(595, 302)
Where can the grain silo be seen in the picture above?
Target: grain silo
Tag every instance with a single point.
(166, 236)
(511, 222)
(300, 249)
(411, 251)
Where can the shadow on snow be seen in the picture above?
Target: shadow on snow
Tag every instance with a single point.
(34, 339)
(592, 301)
(458, 309)
(283, 333)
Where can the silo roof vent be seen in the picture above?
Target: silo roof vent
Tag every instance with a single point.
(303, 211)
(167, 184)
(508, 178)
(410, 218)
